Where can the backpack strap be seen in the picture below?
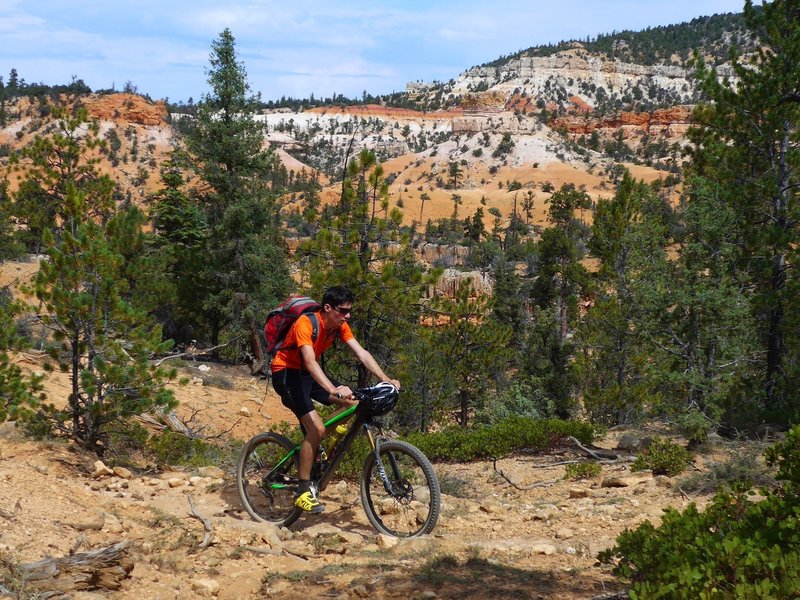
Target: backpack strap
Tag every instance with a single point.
(314, 325)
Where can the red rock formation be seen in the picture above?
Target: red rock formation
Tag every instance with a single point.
(665, 117)
(126, 107)
(377, 110)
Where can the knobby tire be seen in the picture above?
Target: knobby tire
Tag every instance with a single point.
(415, 504)
(262, 500)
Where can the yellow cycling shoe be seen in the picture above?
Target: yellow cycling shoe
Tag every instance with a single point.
(306, 498)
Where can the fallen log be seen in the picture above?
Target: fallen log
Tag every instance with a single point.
(102, 569)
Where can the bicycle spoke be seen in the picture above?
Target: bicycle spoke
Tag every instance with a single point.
(411, 505)
(267, 486)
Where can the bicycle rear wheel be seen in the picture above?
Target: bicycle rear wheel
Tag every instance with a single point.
(267, 479)
(412, 504)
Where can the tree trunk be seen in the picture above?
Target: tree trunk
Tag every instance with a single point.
(74, 402)
(775, 341)
(464, 416)
(776, 345)
(255, 347)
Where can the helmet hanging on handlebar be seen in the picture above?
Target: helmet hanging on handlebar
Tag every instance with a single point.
(378, 399)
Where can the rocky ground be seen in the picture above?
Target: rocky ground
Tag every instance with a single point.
(494, 539)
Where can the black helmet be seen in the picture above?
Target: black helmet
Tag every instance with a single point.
(378, 399)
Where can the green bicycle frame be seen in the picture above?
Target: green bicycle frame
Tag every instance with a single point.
(329, 423)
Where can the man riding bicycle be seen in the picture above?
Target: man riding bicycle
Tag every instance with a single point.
(298, 378)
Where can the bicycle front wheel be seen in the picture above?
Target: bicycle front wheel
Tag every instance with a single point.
(266, 477)
(408, 502)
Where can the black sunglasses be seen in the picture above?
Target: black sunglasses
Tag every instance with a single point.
(342, 311)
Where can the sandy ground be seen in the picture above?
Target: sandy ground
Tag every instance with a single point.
(493, 539)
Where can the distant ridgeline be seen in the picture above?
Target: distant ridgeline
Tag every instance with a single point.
(668, 44)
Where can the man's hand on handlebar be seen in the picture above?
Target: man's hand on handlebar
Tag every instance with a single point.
(395, 383)
(343, 396)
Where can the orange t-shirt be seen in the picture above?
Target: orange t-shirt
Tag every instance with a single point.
(300, 335)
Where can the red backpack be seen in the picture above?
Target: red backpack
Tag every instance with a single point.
(280, 320)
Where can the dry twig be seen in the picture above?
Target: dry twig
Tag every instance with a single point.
(522, 487)
(622, 595)
(78, 543)
(259, 550)
(192, 353)
(206, 524)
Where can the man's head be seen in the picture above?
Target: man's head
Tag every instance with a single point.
(337, 302)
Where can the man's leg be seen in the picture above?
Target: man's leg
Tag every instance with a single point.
(294, 389)
(306, 497)
(315, 429)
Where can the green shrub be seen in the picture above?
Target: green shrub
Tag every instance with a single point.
(695, 426)
(453, 485)
(521, 399)
(218, 381)
(176, 449)
(126, 440)
(462, 445)
(663, 457)
(584, 470)
(500, 439)
(786, 456)
(737, 548)
(744, 467)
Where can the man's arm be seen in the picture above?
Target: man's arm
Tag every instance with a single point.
(312, 366)
(366, 359)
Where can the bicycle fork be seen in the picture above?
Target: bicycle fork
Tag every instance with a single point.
(375, 444)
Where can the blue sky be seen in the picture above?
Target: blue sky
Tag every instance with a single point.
(299, 47)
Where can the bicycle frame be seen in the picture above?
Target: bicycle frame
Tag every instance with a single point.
(358, 425)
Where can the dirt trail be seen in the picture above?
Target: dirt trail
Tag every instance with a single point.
(492, 539)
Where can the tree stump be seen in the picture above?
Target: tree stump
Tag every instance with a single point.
(101, 569)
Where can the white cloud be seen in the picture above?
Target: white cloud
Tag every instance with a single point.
(305, 45)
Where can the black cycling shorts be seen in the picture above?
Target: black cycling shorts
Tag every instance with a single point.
(297, 389)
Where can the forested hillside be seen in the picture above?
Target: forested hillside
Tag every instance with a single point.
(549, 278)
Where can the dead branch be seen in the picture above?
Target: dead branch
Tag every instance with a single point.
(296, 555)
(259, 550)
(555, 464)
(622, 595)
(520, 487)
(206, 524)
(600, 454)
(78, 543)
(103, 569)
(192, 353)
(31, 356)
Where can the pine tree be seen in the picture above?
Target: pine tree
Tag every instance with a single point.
(628, 238)
(9, 244)
(246, 268)
(181, 234)
(472, 346)
(561, 281)
(747, 140)
(106, 341)
(562, 277)
(358, 247)
(17, 391)
(53, 167)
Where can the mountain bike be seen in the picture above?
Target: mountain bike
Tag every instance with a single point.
(399, 488)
